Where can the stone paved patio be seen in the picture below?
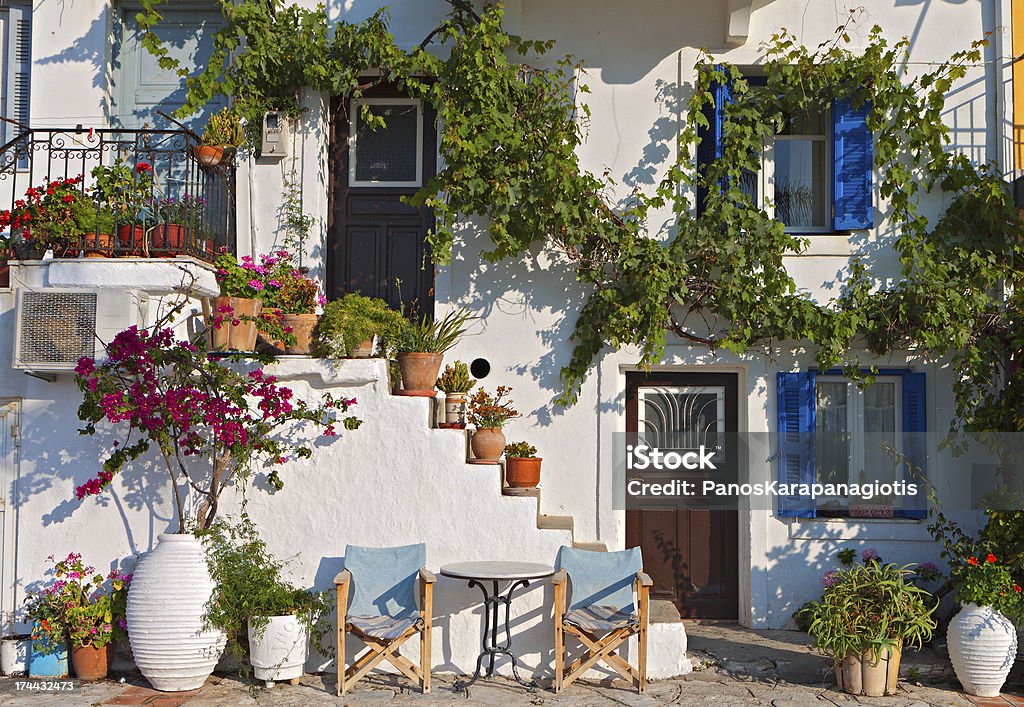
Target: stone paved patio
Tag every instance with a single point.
(733, 666)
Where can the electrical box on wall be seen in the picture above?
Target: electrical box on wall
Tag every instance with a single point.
(276, 135)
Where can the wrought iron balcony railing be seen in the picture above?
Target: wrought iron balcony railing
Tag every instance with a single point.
(152, 196)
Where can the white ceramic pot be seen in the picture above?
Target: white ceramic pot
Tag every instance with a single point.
(166, 602)
(455, 408)
(280, 652)
(982, 646)
(14, 655)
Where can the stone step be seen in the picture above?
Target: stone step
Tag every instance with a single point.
(547, 521)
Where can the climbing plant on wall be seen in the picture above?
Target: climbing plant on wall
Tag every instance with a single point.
(511, 122)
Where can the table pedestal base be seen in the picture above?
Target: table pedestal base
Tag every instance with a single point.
(493, 602)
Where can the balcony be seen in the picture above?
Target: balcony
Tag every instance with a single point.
(152, 197)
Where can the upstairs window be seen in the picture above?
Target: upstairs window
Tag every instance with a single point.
(817, 173)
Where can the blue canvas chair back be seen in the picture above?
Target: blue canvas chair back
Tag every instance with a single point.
(601, 578)
(384, 579)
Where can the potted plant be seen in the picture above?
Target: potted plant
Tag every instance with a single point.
(128, 192)
(221, 138)
(296, 296)
(254, 601)
(421, 349)
(53, 216)
(522, 465)
(233, 322)
(489, 413)
(867, 614)
(354, 326)
(83, 607)
(455, 383)
(14, 646)
(215, 426)
(177, 220)
(6, 254)
(98, 238)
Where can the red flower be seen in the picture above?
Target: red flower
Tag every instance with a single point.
(143, 167)
(1016, 588)
(972, 560)
(991, 558)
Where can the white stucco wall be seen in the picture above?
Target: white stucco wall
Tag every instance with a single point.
(641, 62)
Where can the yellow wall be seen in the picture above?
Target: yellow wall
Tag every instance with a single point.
(1017, 26)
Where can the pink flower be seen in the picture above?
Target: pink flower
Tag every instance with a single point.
(255, 284)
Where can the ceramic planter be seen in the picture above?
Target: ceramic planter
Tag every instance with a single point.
(47, 665)
(98, 245)
(522, 472)
(869, 674)
(167, 240)
(14, 652)
(166, 602)
(132, 239)
(231, 337)
(209, 155)
(419, 373)
(302, 326)
(280, 652)
(982, 647)
(487, 444)
(455, 409)
(92, 663)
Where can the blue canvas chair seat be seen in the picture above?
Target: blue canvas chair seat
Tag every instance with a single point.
(600, 618)
(601, 598)
(385, 597)
(383, 627)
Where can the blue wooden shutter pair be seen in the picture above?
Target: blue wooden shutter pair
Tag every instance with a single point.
(16, 70)
(797, 404)
(710, 147)
(852, 167)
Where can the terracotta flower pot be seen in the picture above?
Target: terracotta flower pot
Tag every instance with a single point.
(419, 373)
(302, 326)
(132, 238)
(91, 662)
(487, 443)
(209, 155)
(522, 472)
(98, 245)
(264, 338)
(167, 241)
(230, 336)
(365, 349)
(868, 674)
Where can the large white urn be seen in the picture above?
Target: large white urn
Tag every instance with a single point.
(166, 602)
(982, 647)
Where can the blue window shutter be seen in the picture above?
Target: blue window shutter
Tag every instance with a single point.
(797, 463)
(710, 147)
(915, 441)
(853, 167)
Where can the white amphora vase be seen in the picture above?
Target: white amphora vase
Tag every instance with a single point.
(166, 602)
(982, 647)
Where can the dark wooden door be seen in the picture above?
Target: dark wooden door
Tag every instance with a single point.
(691, 554)
(376, 243)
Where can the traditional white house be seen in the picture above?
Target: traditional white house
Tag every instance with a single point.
(72, 71)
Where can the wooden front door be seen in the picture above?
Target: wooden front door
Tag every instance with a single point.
(376, 243)
(691, 554)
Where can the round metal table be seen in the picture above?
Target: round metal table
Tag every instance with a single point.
(480, 574)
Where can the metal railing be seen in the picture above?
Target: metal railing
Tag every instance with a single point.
(188, 210)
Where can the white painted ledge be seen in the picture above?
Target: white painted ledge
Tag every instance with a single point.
(156, 276)
(341, 373)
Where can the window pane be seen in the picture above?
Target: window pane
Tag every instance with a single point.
(879, 430)
(832, 438)
(809, 122)
(800, 176)
(387, 154)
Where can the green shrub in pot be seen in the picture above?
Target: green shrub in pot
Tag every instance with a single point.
(348, 323)
(421, 349)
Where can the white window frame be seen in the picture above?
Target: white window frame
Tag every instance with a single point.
(356, 104)
(855, 425)
(766, 177)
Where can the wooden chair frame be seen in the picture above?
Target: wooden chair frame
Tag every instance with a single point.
(378, 649)
(601, 648)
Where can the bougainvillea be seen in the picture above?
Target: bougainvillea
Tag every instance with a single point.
(213, 422)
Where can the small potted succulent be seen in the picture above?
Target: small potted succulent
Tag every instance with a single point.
(354, 326)
(455, 383)
(489, 413)
(867, 614)
(421, 349)
(221, 138)
(522, 465)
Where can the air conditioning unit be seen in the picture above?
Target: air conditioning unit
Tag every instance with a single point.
(55, 327)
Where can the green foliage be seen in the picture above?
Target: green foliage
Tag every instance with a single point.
(297, 223)
(520, 450)
(1005, 534)
(868, 608)
(510, 137)
(353, 319)
(251, 587)
(985, 581)
(224, 129)
(455, 379)
(429, 335)
(488, 411)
